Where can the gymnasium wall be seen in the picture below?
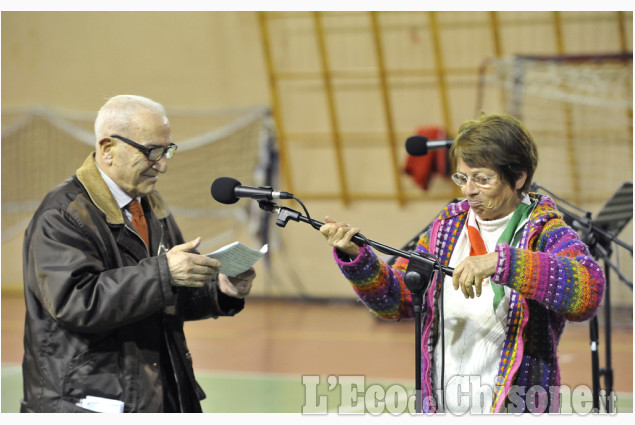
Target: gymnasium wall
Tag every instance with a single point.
(73, 61)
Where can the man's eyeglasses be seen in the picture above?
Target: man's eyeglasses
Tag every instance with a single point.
(480, 180)
(153, 154)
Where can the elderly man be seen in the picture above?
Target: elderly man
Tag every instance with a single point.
(109, 279)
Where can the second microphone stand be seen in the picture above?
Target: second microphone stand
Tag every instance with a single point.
(599, 241)
(419, 275)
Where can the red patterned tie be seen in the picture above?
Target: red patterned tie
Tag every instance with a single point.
(138, 220)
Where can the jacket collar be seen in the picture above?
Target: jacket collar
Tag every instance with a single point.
(89, 177)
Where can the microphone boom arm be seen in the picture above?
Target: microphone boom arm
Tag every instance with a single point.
(286, 214)
(418, 277)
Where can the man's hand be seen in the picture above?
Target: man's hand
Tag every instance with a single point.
(188, 268)
(239, 286)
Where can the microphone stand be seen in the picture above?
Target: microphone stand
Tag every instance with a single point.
(598, 240)
(418, 277)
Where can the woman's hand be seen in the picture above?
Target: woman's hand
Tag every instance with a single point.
(472, 271)
(339, 235)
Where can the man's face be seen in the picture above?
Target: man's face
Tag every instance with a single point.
(129, 167)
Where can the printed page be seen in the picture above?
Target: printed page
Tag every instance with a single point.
(236, 257)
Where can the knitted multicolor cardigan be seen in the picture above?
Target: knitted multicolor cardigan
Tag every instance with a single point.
(552, 278)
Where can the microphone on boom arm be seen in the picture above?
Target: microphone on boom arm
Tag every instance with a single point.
(227, 190)
(420, 145)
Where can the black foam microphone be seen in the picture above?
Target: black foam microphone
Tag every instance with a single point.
(420, 145)
(227, 190)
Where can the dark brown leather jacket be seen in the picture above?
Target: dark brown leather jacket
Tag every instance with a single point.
(102, 318)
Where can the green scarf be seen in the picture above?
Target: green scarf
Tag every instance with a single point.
(511, 235)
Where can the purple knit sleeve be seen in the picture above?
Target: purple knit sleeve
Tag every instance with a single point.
(560, 275)
(502, 268)
(376, 284)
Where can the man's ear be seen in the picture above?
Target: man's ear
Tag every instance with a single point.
(104, 150)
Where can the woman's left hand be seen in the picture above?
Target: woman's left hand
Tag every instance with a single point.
(472, 271)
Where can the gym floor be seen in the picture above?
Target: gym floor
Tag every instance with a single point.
(268, 357)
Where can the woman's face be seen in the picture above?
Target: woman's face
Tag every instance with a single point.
(491, 198)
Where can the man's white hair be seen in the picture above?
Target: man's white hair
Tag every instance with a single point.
(120, 112)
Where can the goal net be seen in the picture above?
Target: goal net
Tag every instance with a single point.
(580, 111)
(43, 147)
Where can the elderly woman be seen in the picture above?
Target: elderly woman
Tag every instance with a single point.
(519, 274)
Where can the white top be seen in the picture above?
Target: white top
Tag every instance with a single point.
(474, 335)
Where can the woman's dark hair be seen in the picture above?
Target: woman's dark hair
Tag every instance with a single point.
(500, 142)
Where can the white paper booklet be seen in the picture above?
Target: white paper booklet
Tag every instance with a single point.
(100, 404)
(236, 257)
